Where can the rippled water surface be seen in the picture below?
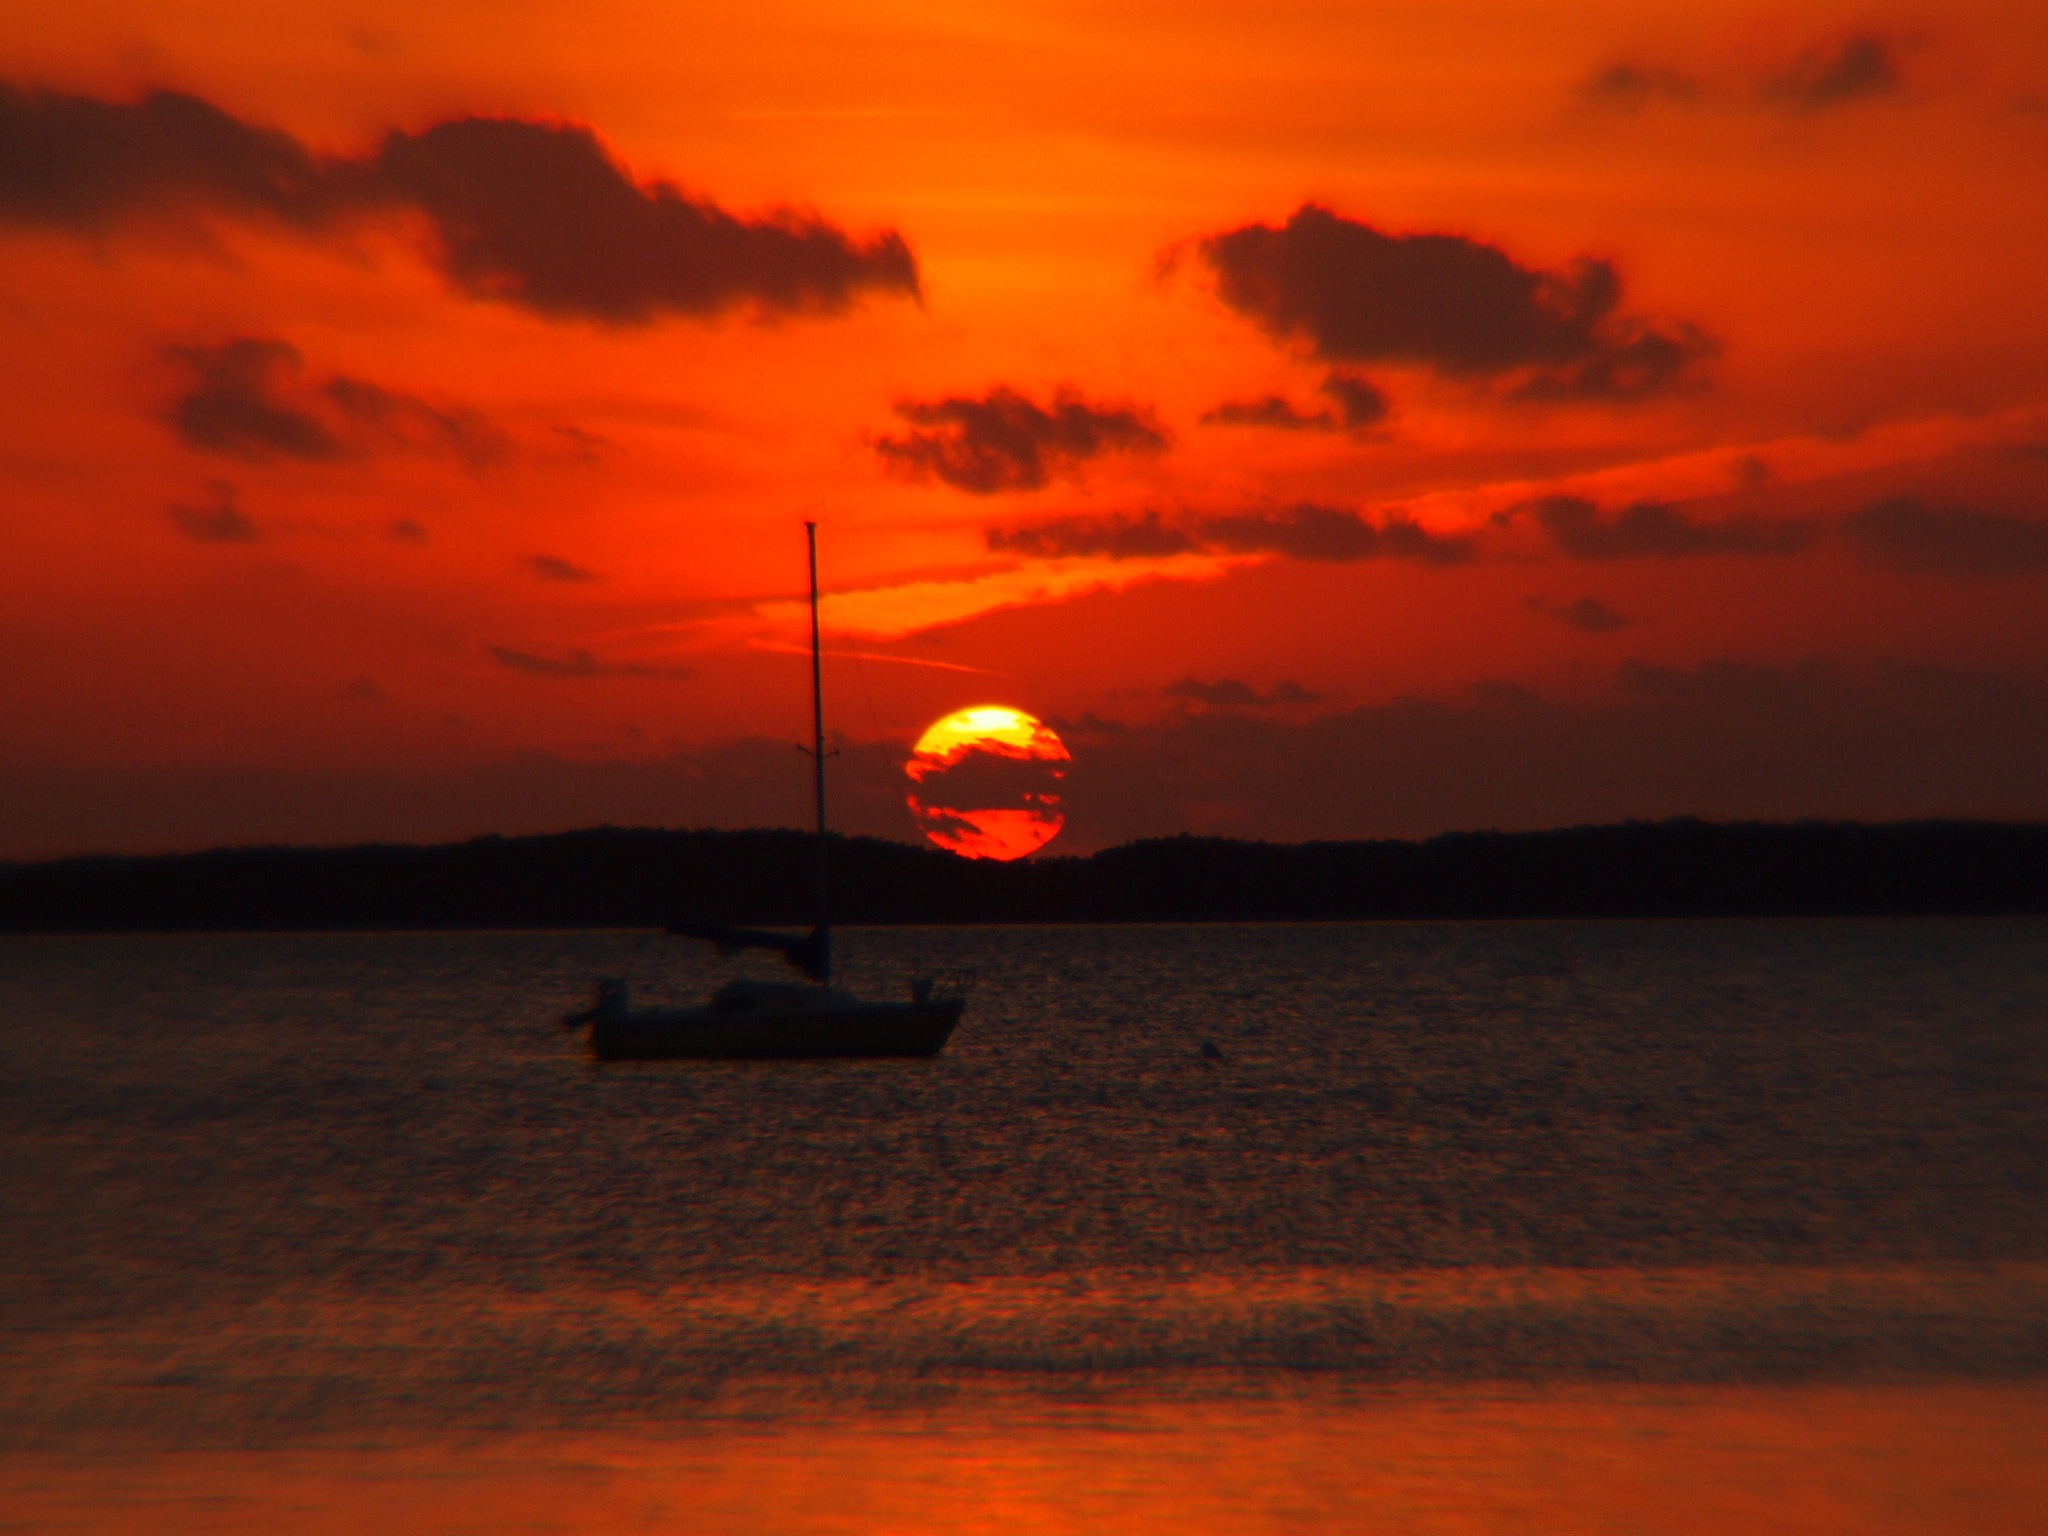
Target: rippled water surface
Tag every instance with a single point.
(328, 1220)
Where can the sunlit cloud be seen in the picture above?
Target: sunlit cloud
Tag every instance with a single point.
(895, 612)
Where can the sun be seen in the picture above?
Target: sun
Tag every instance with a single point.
(986, 782)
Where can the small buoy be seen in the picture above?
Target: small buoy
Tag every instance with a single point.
(1209, 1051)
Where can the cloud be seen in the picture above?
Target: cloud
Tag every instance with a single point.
(1006, 442)
(249, 398)
(1652, 530)
(1309, 533)
(391, 418)
(1360, 404)
(1907, 534)
(235, 404)
(1631, 87)
(1269, 411)
(1330, 534)
(1720, 740)
(1359, 401)
(407, 530)
(1588, 614)
(540, 215)
(578, 664)
(1231, 693)
(534, 214)
(220, 521)
(552, 568)
(1144, 537)
(1452, 304)
(1832, 74)
(72, 162)
(985, 779)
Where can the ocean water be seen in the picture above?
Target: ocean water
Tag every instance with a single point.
(1529, 1226)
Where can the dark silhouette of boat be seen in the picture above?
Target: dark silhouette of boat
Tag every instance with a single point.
(749, 1019)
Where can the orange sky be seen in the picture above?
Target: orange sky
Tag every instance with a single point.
(453, 481)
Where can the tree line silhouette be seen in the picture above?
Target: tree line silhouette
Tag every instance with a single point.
(619, 877)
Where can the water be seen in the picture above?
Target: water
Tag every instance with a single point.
(1471, 1226)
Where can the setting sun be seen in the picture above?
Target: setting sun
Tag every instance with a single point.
(987, 782)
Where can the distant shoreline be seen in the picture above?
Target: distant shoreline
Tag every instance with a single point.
(638, 878)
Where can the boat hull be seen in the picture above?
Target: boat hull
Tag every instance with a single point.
(859, 1030)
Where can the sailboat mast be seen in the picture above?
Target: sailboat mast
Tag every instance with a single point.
(817, 728)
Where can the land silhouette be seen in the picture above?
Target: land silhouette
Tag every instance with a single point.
(631, 878)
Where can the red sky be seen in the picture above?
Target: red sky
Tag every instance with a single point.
(1336, 420)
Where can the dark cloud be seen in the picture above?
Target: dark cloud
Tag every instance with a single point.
(1321, 534)
(587, 447)
(1144, 537)
(1269, 411)
(1630, 87)
(1652, 530)
(1360, 402)
(756, 782)
(73, 162)
(1909, 535)
(390, 418)
(1311, 533)
(1635, 360)
(1006, 442)
(237, 402)
(578, 664)
(1853, 68)
(249, 397)
(408, 530)
(1449, 303)
(552, 568)
(533, 214)
(1588, 614)
(220, 520)
(1232, 693)
(1857, 67)
(1331, 535)
(1722, 740)
(985, 780)
(538, 214)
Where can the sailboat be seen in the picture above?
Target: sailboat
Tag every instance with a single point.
(751, 1018)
